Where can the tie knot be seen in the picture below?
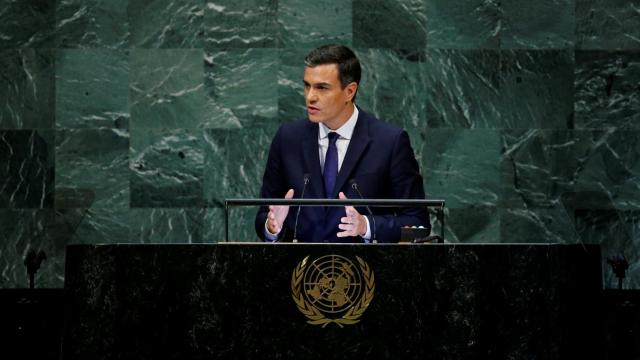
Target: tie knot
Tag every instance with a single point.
(333, 136)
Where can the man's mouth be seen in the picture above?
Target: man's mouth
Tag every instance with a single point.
(312, 109)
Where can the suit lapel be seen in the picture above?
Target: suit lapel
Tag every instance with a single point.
(312, 160)
(358, 144)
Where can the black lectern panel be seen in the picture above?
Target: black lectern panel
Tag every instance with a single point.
(286, 301)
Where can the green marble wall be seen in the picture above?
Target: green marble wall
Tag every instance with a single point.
(131, 121)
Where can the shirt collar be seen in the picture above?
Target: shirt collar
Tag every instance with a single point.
(345, 131)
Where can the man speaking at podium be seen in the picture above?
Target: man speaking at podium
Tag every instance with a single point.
(339, 151)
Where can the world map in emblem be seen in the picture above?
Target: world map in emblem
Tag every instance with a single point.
(332, 284)
(332, 289)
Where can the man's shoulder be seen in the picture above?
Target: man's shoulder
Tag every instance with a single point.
(296, 128)
(378, 126)
(299, 124)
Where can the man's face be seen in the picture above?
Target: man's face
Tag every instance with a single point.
(327, 102)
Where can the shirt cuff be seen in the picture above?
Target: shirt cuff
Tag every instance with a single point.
(367, 235)
(268, 236)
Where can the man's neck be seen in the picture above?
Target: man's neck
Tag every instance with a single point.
(342, 118)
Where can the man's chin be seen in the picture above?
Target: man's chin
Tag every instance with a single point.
(314, 118)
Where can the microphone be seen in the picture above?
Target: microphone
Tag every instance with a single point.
(354, 185)
(295, 226)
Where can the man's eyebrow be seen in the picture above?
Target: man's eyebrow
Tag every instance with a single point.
(317, 84)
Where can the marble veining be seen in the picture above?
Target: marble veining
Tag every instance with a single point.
(131, 121)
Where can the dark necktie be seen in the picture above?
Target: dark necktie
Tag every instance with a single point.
(331, 164)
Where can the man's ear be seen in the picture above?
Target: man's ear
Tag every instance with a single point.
(351, 90)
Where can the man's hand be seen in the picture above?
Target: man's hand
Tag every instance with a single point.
(277, 214)
(353, 223)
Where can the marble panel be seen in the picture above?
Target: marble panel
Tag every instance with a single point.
(611, 167)
(540, 165)
(396, 24)
(607, 24)
(462, 88)
(536, 89)
(27, 170)
(92, 23)
(461, 167)
(92, 168)
(234, 163)
(291, 103)
(26, 23)
(463, 24)
(241, 228)
(27, 90)
(166, 24)
(241, 23)
(24, 230)
(95, 225)
(243, 86)
(472, 225)
(537, 24)
(540, 168)
(313, 23)
(607, 89)
(166, 90)
(166, 168)
(392, 87)
(166, 226)
(92, 88)
(553, 225)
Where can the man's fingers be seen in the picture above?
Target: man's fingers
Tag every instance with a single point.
(345, 227)
(289, 194)
(342, 196)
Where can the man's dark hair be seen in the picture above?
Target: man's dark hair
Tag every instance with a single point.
(348, 65)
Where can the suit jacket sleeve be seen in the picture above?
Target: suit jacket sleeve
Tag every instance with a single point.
(405, 183)
(272, 184)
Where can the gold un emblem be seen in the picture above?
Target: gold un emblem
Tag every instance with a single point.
(332, 289)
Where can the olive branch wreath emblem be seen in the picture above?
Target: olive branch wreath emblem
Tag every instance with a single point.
(315, 316)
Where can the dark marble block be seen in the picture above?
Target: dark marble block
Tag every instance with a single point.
(395, 24)
(606, 90)
(26, 23)
(449, 25)
(607, 24)
(27, 89)
(231, 301)
(27, 173)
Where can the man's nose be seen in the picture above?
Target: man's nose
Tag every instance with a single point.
(311, 96)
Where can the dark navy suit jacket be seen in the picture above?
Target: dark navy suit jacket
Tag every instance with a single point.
(379, 158)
